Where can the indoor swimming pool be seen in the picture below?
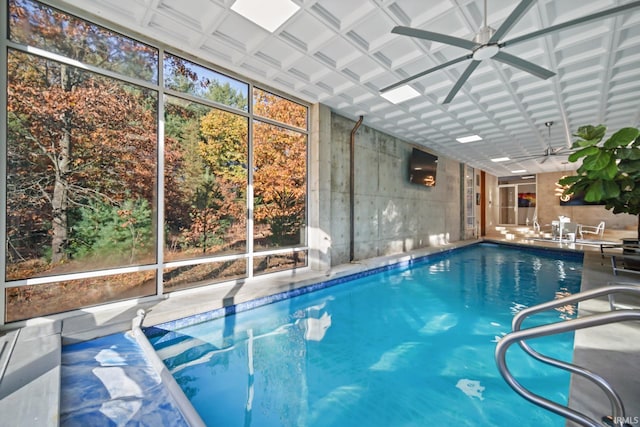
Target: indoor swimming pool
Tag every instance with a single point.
(411, 345)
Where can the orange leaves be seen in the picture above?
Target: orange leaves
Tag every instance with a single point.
(279, 173)
(279, 109)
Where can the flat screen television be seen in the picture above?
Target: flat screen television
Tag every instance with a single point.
(423, 168)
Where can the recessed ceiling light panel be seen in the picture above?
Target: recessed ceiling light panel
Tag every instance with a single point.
(267, 14)
(470, 138)
(500, 159)
(400, 94)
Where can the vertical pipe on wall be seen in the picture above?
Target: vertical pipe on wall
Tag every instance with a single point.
(352, 144)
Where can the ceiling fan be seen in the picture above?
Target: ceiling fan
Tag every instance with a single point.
(548, 152)
(487, 44)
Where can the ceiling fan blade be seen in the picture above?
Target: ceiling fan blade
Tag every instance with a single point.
(571, 23)
(511, 20)
(523, 65)
(527, 157)
(436, 37)
(463, 78)
(424, 73)
(544, 159)
(563, 151)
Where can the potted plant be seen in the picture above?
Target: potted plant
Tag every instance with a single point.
(610, 172)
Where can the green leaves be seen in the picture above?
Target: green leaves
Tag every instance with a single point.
(589, 133)
(630, 153)
(622, 138)
(588, 151)
(629, 166)
(610, 172)
(598, 160)
(568, 180)
(601, 190)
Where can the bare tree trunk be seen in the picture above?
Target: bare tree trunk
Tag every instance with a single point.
(60, 196)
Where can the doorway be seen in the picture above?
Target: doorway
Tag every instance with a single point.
(517, 200)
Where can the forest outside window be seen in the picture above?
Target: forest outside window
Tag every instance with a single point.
(86, 223)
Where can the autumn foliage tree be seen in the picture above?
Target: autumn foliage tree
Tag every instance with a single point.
(82, 152)
(75, 138)
(280, 170)
(82, 155)
(206, 169)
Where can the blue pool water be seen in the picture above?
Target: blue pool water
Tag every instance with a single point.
(409, 346)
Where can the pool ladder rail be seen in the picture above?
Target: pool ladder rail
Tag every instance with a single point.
(520, 336)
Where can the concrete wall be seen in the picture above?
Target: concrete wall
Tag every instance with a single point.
(391, 214)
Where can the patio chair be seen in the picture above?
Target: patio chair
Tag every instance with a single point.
(546, 230)
(568, 231)
(596, 230)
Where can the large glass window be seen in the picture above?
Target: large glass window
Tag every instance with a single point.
(186, 77)
(276, 108)
(280, 173)
(35, 24)
(190, 276)
(205, 180)
(81, 170)
(279, 182)
(24, 302)
(83, 216)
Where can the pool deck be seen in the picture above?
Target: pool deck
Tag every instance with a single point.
(613, 351)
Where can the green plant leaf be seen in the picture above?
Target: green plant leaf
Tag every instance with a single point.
(598, 161)
(630, 153)
(595, 192)
(568, 180)
(581, 143)
(589, 133)
(610, 171)
(611, 189)
(587, 151)
(622, 138)
(600, 190)
(629, 166)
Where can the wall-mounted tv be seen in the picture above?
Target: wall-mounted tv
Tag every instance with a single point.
(423, 168)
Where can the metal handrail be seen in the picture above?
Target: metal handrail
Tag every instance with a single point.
(609, 291)
(519, 336)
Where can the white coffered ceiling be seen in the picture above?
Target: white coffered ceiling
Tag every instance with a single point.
(342, 52)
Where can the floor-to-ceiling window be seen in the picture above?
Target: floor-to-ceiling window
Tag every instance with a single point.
(132, 171)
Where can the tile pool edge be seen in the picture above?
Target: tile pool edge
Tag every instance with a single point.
(369, 268)
(537, 248)
(318, 284)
